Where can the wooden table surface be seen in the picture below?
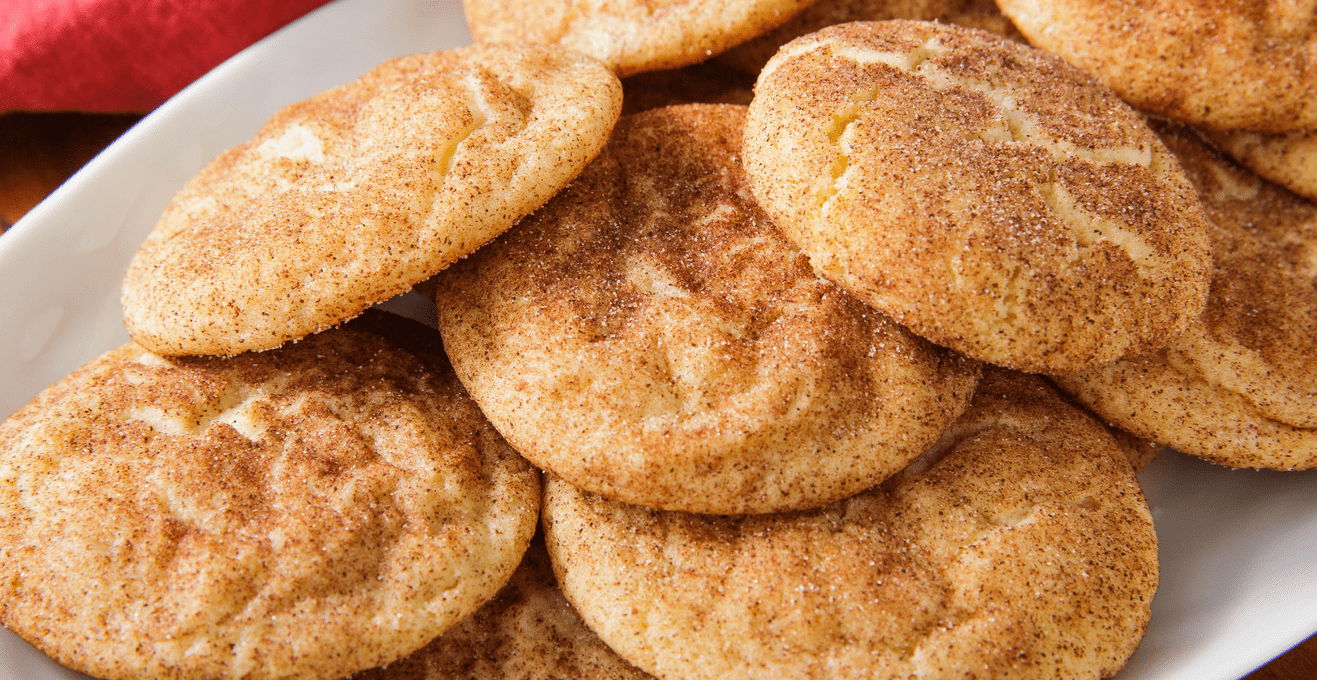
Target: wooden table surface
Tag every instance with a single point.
(38, 151)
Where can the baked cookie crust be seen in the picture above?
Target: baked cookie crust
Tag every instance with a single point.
(985, 194)
(355, 195)
(631, 36)
(1220, 64)
(1019, 547)
(307, 512)
(648, 335)
(1239, 388)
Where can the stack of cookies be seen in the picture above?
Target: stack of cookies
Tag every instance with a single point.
(774, 341)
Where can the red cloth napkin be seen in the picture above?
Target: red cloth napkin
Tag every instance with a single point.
(123, 55)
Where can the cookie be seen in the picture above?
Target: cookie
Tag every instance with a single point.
(647, 335)
(631, 36)
(351, 197)
(1019, 547)
(527, 632)
(750, 57)
(1223, 64)
(1289, 160)
(985, 194)
(306, 512)
(1239, 388)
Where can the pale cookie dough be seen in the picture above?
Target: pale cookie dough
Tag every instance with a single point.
(985, 194)
(1019, 547)
(1239, 388)
(305, 513)
(751, 56)
(527, 632)
(647, 335)
(1222, 64)
(631, 36)
(353, 196)
(1289, 160)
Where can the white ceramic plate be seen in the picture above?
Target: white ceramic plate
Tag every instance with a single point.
(1238, 549)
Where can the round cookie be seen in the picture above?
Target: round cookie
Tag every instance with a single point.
(647, 335)
(1239, 388)
(306, 512)
(1222, 64)
(351, 197)
(527, 632)
(751, 56)
(1019, 547)
(631, 36)
(1289, 160)
(985, 194)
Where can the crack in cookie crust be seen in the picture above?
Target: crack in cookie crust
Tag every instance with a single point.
(648, 335)
(1239, 386)
(306, 512)
(355, 195)
(987, 196)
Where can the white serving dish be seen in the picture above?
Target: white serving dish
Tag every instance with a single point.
(1238, 549)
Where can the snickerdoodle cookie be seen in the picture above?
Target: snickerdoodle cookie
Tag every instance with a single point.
(751, 56)
(1239, 388)
(1019, 547)
(985, 194)
(307, 512)
(1222, 64)
(1289, 160)
(354, 195)
(649, 336)
(631, 36)
(527, 632)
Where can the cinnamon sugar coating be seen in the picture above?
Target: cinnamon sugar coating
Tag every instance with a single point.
(1019, 547)
(1221, 64)
(306, 512)
(985, 194)
(1239, 388)
(355, 195)
(631, 36)
(648, 335)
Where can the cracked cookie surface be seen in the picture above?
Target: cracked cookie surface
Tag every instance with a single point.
(355, 195)
(306, 512)
(648, 335)
(1239, 387)
(984, 194)
(1019, 547)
